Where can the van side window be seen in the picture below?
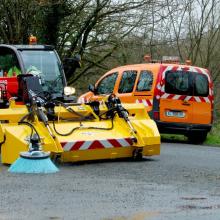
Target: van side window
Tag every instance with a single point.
(127, 81)
(201, 87)
(177, 82)
(145, 81)
(106, 86)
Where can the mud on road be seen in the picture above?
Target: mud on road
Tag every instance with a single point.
(182, 183)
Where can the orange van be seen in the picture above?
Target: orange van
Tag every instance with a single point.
(178, 97)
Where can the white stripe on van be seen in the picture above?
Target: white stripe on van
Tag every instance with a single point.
(167, 69)
(165, 95)
(207, 99)
(176, 97)
(187, 98)
(197, 99)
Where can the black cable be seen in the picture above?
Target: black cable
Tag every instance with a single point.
(26, 116)
(2, 142)
(107, 112)
(70, 109)
(31, 126)
(76, 128)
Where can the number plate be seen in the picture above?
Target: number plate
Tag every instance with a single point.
(178, 114)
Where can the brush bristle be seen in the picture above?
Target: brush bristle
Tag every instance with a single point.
(26, 165)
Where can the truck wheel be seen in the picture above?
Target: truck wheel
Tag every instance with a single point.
(197, 137)
(137, 155)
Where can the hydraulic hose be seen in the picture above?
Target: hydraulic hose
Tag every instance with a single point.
(31, 126)
(81, 127)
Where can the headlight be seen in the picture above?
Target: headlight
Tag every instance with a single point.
(69, 90)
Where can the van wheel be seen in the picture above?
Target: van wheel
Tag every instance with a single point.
(197, 137)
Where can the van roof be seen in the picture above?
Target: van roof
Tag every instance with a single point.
(155, 66)
(142, 65)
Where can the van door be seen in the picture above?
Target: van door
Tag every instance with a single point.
(143, 92)
(126, 86)
(176, 91)
(202, 104)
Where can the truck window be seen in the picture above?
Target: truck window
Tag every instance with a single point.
(145, 81)
(106, 86)
(127, 81)
(8, 60)
(201, 87)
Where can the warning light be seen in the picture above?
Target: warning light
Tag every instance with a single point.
(188, 62)
(170, 59)
(32, 40)
(147, 58)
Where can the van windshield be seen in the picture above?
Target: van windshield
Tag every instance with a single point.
(106, 85)
(186, 83)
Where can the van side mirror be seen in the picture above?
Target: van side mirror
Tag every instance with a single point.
(71, 64)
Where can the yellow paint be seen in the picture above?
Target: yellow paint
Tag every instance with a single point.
(148, 137)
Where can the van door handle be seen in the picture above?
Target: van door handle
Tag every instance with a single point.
(186, 103)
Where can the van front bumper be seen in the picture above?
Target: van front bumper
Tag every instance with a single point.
(182, 128)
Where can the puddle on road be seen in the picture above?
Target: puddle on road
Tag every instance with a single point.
(54, 218)
(194, 207)
(193, 198)
(137, 216)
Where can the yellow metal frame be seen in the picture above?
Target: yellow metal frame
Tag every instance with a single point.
(15, 138)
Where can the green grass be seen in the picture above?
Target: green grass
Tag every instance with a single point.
(173, 137)
(213, 137)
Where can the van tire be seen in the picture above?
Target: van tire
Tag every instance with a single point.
(197, 137)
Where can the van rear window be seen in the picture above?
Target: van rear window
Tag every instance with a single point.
(201, 85)
(186, 83)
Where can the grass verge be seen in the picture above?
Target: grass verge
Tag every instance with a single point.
(213, 137)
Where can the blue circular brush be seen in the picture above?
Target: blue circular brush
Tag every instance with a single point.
(34, 160)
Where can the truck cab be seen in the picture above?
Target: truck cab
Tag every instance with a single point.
(38, 60)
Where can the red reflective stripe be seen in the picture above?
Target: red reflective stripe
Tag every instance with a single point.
(129, 140)
(174, 68)
(171, 96)
(145, 101)
(198, 70)
(114, 143)
(77, 145)
(202, 99)
(96, 145)
(63, 144)
(149, 102)
(182, 97)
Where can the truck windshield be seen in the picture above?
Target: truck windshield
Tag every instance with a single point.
(46, 65)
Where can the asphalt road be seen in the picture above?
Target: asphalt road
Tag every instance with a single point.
(182, 183)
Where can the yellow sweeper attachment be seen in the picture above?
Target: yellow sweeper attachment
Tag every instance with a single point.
(78, 132)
